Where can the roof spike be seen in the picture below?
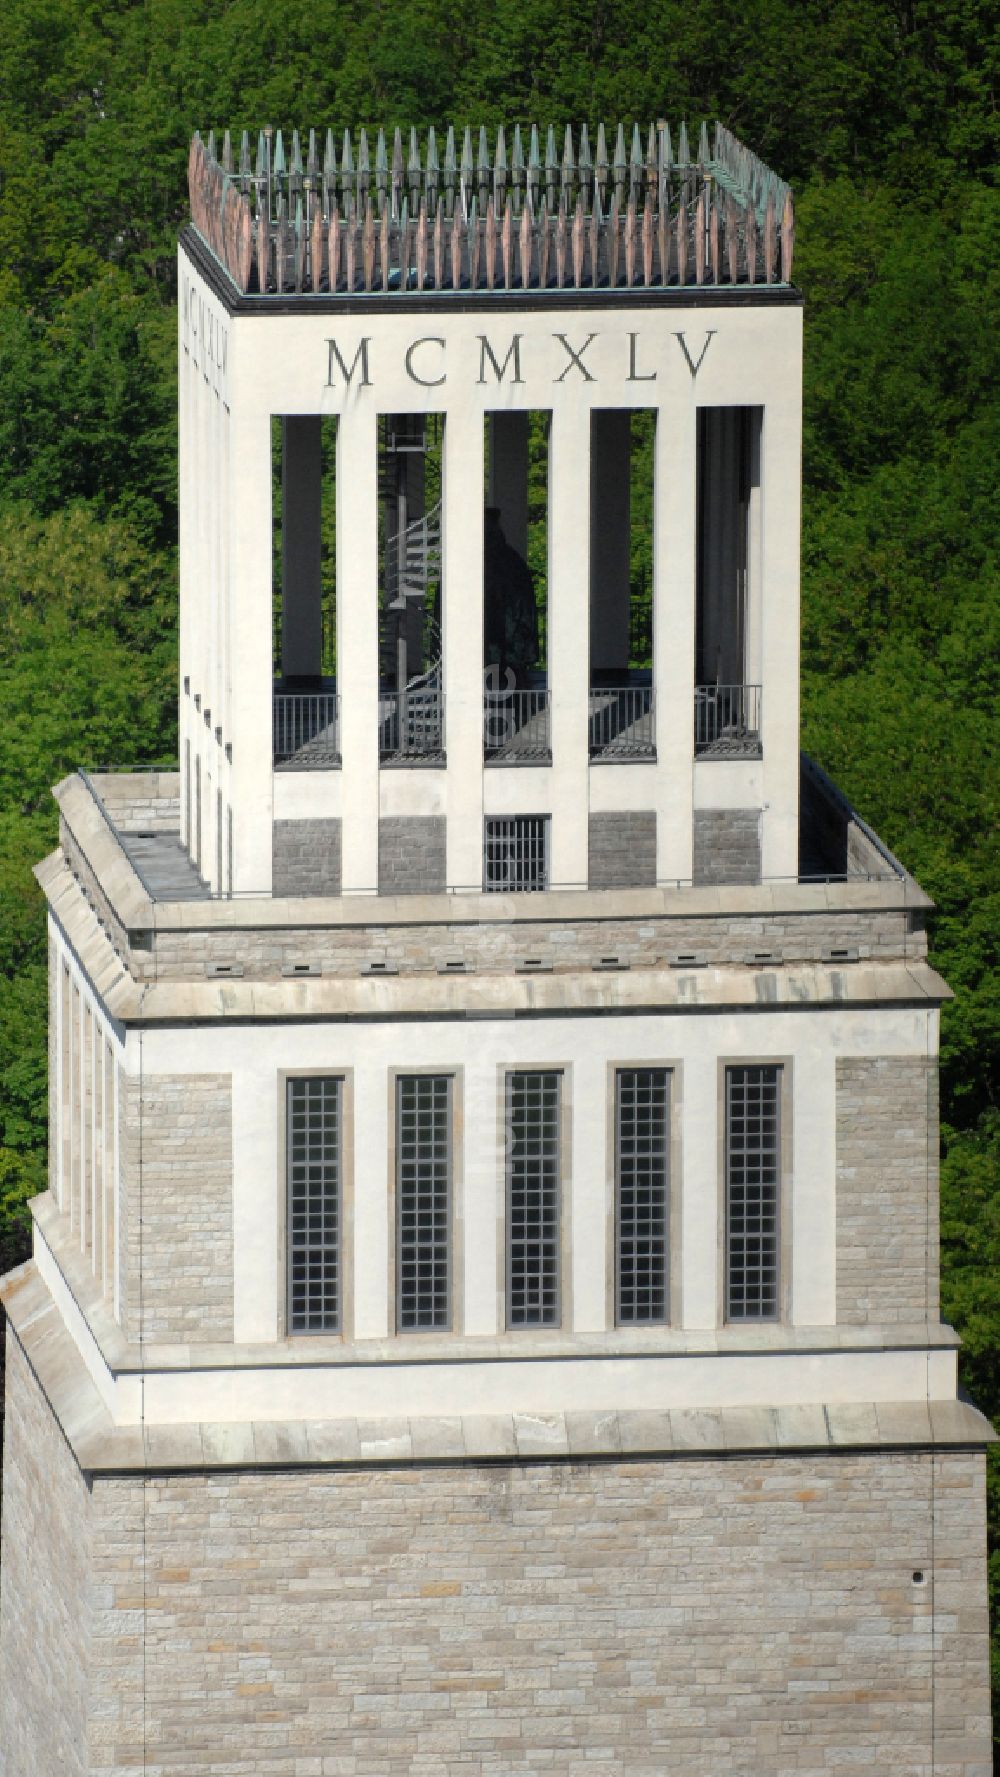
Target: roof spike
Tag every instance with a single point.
(413, 165)
(312, 159)
(636, 155)
(278, 163)
(261, 167)
(329, 159)
(551, 169)
(484, 151)
(652, 151)
(227, 154)
(517, 155)
(347, 157)
(619, 161)
(666, 149)
(433, 164)
(295, 165)
(467, 171)
(585, 157)
(683, 151)
(210, 147)
(703, 154)
(244, 156)
(569, 158)
(381, 164)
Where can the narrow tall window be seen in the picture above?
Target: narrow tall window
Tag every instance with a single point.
(533, 1199)
(753, 1159)
(423, 1202)
(313, 1114)
(642, 1132)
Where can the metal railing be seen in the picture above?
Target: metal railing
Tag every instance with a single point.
(411, 724)
(622, 722)
(727, 721)
(516, 727)
(307, 729)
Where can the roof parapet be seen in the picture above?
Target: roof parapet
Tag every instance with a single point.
(639, 216)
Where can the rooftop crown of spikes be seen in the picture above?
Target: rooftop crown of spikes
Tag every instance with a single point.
(622, 212)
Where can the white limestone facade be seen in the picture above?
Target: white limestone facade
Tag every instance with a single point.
(484, 1315)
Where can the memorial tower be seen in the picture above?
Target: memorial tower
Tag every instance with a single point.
(484, 1314)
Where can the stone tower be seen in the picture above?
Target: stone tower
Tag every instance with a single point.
(484, 1314)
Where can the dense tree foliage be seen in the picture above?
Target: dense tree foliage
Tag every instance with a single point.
(881, 112)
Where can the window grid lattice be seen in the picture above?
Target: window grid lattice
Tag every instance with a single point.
(641, 1153)
(533, 1199)
(752, 1187)
(423, 1191)
(313, 1110)
(515, 854)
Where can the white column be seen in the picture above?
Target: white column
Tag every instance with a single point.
(589, 1195)
(462, 544)
(699, 1187)
(781, 465)
(371, 1206)
(250, 531)
(674, 525)
(813, 1196)
(256, 1261)
(357, 643)
(482, 1196)
(568, 638)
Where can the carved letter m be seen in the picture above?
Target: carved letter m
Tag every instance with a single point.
(361, 353)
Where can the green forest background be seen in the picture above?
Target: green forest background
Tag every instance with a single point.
(882, 114)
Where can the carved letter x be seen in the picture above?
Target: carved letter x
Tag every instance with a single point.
(575, 358)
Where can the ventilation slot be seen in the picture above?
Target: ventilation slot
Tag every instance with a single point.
(533, 965)
(455, 965)
(379, 968)
(611, 962)
(223, 971)
(846, 953)
(292, 969)
(687, 959)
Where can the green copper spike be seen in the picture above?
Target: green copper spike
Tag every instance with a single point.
(312, 159)
(433, 164)
(683, 151)
(568, 159)
(450, 168)
(413, 165)
(347, 159)
(467, 161)
(227, 154)
(329, 160)
(278, 158)
(296, 161)
(381, 165)
(244, 156)
(500, 160)
(517, 157)
(703, 154)
(210, 145)
(620, 163)
(666, 149)
(585, 160)
(364, 164)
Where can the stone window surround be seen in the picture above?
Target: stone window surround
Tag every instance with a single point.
(346, 1077)
(456, 1190)
(565, 1070)
(673, 1067)
(784, 1065)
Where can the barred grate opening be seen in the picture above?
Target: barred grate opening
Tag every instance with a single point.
(515, 854)
(533, 1199)
(641, 1153)
(752, 1183)
(313, 1111)
(423, 1201)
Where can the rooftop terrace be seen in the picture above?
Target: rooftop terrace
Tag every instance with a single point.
(640, 215)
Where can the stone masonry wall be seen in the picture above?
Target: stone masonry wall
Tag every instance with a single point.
(44, 1576)
(306, 857)
(887, 1190)
(497, 947)
(141, 801)
(176, 1159)
(688, 1618)
(622, 850)
(411, 854)
(726, 845)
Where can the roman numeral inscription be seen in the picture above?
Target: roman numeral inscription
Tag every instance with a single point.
(428, 359)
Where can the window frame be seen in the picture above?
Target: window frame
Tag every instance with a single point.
(563, 1242)
(546, 836)
(345, 1075)
(783, 1294)
(671, 1194)
(454, 1247)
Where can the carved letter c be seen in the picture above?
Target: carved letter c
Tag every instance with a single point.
(426, 382)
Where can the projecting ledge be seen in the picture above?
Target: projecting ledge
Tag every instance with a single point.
(102, 1447)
